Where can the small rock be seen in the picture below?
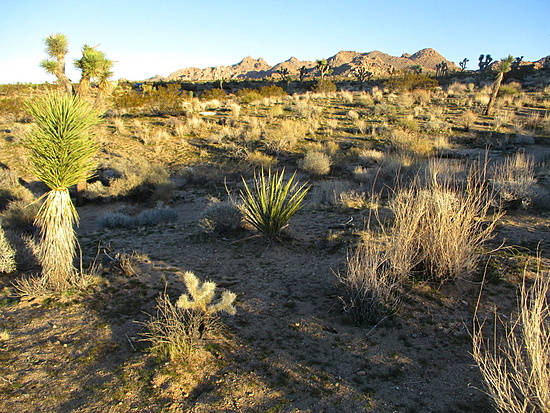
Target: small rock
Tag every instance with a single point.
(361, 373)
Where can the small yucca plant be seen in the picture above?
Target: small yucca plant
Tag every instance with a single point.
(60, 151)
(270, 204)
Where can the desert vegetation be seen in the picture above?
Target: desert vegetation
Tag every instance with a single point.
(322, 244)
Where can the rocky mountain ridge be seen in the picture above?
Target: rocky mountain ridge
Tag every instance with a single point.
(343, 63)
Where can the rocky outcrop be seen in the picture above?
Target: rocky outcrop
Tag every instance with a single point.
(343, 63)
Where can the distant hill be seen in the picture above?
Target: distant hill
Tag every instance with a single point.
(342, 63)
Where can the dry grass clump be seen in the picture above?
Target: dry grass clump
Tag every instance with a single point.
(515, 364)
(445, 224)
(315, 163)
(7, 254)
(135, 178)
(370, 285)
(328, 192)
(258, 159)
(176, 330)
(514, 180)
(285, 135)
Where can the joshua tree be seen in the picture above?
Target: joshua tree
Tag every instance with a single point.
(324, 68)
(463, 64)
(503, 66)
(57, 47)
(60, 151)
(361, 73)
(303, 72)
(441, 69)
(416, 69)
(484, 64)
(94, 65)
(517, 62)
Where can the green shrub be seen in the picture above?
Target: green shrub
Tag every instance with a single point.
(270, 204)
(214, 94)
(411, 81)
(323, 86)
(272, 90)
(249, 95)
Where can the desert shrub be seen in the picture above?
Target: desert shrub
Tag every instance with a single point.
(156, 216)
(136, 179)
(11, 189)
(270, 203)
(369, 157)
(467, 119)
(148, 217)
(272, 91)
(20, 215)
(370, 285)
(167, 99)
(285, 135)
(315, 163)
(176, 330)
(411, 81)
(515, 363)
(114, 220)
(512, 88)
(221, 217)
(7, 254)
(258, 159)
(323, 86)
(129, 100)
(214, 94)
(328, 192)
(249, 95)
(514, 180)
(443, 225)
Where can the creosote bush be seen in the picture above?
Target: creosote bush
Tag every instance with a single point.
(178, 329)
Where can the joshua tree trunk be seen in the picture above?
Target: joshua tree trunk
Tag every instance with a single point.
(496, 86)
(503, 67)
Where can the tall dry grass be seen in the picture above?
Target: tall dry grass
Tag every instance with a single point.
(515, 363)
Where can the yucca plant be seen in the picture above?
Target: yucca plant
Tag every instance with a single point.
(270, 203)
(60, 150)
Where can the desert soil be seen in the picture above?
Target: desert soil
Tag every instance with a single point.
(289, 348)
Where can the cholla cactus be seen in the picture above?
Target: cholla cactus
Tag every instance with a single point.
(7, 254)
(201, 297)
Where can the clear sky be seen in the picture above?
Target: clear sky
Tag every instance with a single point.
(147, 38)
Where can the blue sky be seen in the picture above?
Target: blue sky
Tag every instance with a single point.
(147, 38)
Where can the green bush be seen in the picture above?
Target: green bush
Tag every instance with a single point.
(272, 90)
(214, 94)
(249, 95)
(323, 86)
(411, 81)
